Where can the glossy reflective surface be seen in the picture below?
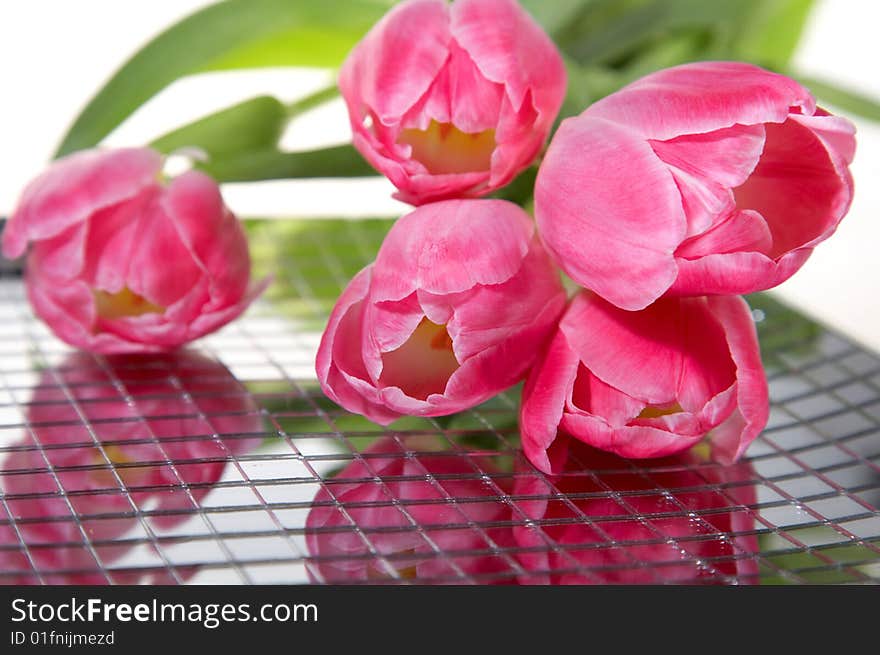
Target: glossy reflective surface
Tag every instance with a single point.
(226, 464)
(113, 449)
(682, 519)
(400, 512)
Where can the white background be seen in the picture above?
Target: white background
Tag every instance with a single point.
(54, 54)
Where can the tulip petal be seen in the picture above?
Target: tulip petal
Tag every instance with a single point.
(545, 394)
(707, 368)
(735, 273)
(510, 48)
(339, 365)
(491, 312)
(703, 201)
(496, 332)
(451, 246)
(742, 231)
(727, 155)
(73, 188)
(211, 233)
(420, 188)
(592, 396)
(520, 134)
(375, 74)
(111, 239)
(615, 345)
(706, 166)
(62, 257)
(460, 96)
(504, 363)
(703, 97)
(69, 310)
(796, 187)
(389, 325)
(753, 405)
(69, 307)
(155, 238)
(836, 133)
(633, 441)
(609, 211)
(207, 322)
(699, 423)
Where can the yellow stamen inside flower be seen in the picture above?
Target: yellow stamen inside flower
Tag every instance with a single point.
(444, 149)
(122, 304)
(656, 411)
(423, 364)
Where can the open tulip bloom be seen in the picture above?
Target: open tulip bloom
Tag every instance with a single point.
(707, 178)
(646, 384)
(119, 262)
(454, 310)
(452, 100)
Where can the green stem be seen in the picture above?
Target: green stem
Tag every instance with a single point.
(311, 101)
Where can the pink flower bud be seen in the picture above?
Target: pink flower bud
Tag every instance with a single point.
(454, 310)
(452, 100)
(119, 262)
(648, 383)
(708, 178)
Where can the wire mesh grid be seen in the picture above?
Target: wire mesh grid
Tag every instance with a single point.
(226, 464)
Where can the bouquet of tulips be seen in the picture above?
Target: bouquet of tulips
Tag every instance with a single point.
(661, 202)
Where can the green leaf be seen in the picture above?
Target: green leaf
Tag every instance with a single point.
(610, 43)
(230, 34)
(254, 124)
(242, 143)
(770, 32)
(251, 166)
(609, 32)
(587, 84)
(845, 99)
(613, 32)
(554, 16)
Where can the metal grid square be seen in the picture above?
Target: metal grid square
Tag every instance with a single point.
(226, 464)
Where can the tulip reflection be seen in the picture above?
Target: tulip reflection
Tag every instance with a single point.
(115, 447)
(394, 507)
(677, 519)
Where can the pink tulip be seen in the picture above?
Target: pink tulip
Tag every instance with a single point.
(708, 178)
(453, 311)
(120, 262)
(385, 506)
(648, 383)
(682, 521)
(151, 431)
(452, 100)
